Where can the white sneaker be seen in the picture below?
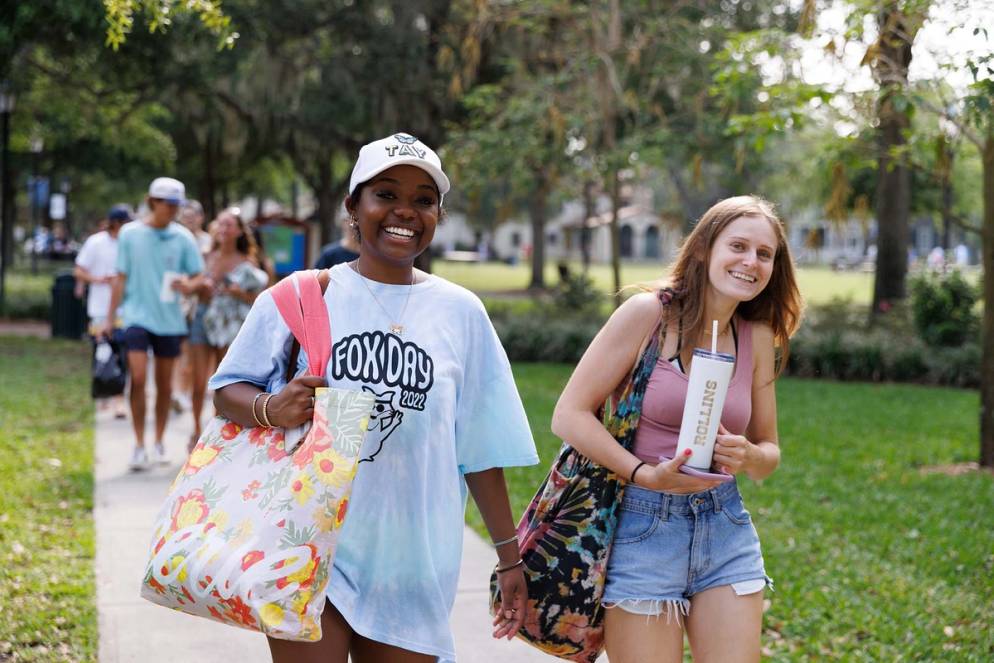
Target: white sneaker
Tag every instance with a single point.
(159, 454)
(139, 460)
(180, 402)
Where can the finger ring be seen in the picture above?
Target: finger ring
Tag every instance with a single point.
(312, 401)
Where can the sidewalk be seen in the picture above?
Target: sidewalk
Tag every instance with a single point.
(132, 630)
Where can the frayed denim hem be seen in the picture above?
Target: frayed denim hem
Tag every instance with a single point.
(672, 608)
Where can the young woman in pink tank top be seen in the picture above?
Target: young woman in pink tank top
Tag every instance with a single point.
(685, 549)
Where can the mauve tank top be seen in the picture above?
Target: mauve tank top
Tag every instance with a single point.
(662, 407)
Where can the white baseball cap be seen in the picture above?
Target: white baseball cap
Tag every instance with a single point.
(167, 189)
(397, 150)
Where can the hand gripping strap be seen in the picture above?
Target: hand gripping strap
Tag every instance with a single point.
(307, 317)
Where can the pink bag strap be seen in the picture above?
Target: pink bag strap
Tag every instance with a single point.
(307, 317)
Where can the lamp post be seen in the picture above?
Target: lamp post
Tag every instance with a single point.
(37, 145)
(6, 222)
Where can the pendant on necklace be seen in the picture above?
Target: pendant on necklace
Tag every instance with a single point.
(397, 329)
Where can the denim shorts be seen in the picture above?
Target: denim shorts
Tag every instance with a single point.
(669, 547)
(198, 335)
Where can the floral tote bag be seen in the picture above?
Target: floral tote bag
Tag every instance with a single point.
(566, 533)
(248, 530)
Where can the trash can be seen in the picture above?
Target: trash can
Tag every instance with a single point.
(68, 313)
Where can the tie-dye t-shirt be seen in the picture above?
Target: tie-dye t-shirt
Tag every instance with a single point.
(446, 405)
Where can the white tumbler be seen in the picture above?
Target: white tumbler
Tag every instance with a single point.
(710, 374)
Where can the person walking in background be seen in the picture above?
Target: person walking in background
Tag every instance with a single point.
(344, 250)
(265, 262)
(447, 418)
(686, 556)
(191, 215)
(230, 283)
(96, 264)
(157, 260)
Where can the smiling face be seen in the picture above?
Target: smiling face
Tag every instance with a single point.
(226, 229)
(741, 260)
(397, 212)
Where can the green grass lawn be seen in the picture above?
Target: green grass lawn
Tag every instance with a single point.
(818, 284)
(873, 559)
(47, 595)
(29, 295)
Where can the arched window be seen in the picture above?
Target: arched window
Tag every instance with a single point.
(626, 247)
(652, 242)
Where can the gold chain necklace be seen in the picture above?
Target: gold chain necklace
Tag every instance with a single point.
(395, 327)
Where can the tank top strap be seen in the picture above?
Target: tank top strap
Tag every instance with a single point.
(744, 350)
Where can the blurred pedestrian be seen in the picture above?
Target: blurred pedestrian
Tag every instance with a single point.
(266, 263)
(344, 250)
(95, 268)
(157, 260)
(191, 215)
(231, 281)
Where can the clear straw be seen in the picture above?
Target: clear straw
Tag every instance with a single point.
(714, 337)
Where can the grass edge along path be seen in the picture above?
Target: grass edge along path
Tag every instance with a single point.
(873, 558)
(47, 590)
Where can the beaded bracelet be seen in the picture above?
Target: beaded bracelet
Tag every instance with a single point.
(498, 544)
(512, 566)
(255, 417)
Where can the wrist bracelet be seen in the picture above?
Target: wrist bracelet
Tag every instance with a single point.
(512, 566)
(632, 478)
(498, 544)
(265, 412)
(255, 417)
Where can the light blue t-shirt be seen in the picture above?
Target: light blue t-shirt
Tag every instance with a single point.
(446, 406)
(146, 255)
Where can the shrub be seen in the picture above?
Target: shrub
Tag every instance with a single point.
(577, 294)
(545, 337)
(906, 362)
(28, 296)
(958, 367)
(839, 341)
(944, 308)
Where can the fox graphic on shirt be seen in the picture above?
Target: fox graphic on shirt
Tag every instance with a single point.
(385, 417)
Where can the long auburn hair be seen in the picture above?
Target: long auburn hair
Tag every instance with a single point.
(779, 304)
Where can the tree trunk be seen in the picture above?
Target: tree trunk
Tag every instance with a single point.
(589, 210)
(693, 209)
(536, 211)
(893, 176)
(7, 210)
(325, 194)
(210, 184)
(947, 198)
(616, 236)
(987, 335)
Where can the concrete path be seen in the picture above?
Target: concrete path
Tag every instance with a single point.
(133, 630)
